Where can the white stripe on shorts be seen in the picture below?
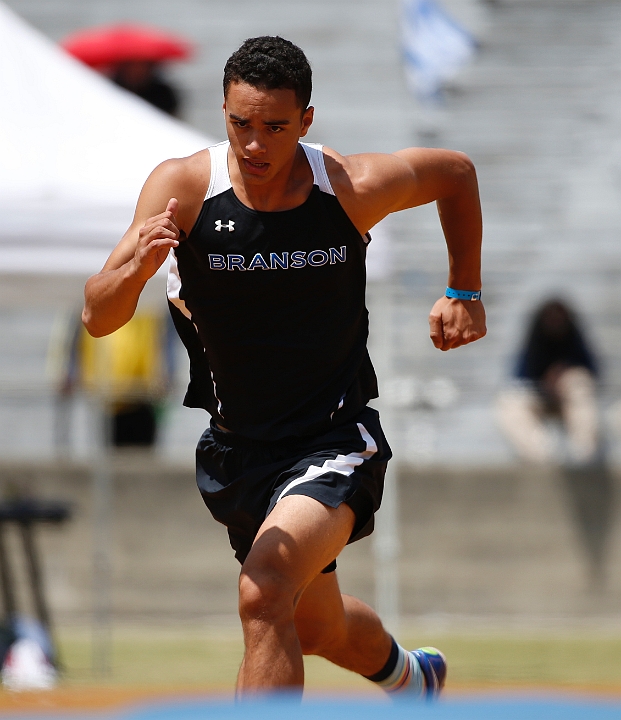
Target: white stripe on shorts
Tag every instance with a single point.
(343, 464)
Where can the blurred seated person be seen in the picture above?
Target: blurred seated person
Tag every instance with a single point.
(130, 369)
(555, 379)
(144, 79)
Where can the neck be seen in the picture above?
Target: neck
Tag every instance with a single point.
(285, 191)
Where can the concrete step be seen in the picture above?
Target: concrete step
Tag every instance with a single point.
(507, 544)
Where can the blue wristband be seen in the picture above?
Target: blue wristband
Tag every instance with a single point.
(463, 294)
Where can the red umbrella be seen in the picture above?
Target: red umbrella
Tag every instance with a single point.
(113, 44)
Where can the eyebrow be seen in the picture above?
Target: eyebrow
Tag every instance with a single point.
(265, 122)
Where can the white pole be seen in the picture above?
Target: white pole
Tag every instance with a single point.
(102, 540)
(386, 551)
(386, 536)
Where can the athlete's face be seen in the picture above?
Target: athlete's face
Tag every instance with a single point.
(264, 127)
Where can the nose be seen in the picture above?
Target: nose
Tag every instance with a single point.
(254, 146)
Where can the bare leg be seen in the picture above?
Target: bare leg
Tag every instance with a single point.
(576, 389)
(298, 539)
(519, 415)
(341, 628)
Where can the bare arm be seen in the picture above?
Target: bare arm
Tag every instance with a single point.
(449, 178)
(111, 296)
(372, 186)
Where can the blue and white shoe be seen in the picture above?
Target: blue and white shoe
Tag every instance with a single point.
(433, 665)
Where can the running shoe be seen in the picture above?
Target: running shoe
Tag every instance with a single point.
(433, 664)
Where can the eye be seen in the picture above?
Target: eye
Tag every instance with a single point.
(240, 123)
(275, 128)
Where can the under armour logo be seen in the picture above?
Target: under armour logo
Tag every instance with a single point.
(230, 226)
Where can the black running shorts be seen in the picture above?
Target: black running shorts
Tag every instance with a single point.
(241, 480)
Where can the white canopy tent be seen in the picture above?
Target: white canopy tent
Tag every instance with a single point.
(75, 150)
(74, 153)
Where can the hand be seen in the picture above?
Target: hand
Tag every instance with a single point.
(453, 323)
(156, 237)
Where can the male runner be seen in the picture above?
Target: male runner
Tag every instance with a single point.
(267, 239)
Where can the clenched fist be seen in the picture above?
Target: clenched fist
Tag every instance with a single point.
(453, 323)
(156, 237)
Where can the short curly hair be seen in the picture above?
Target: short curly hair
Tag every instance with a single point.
(271, 63)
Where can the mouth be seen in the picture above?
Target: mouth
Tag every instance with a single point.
(255, 167)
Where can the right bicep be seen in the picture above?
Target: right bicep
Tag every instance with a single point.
(162, 184)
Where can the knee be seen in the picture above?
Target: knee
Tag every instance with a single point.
(576, 383)
(319, 638)
(314, 641)
(265, 595)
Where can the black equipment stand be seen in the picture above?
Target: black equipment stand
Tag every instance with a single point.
(25, 513)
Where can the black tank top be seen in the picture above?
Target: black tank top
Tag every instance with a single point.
(271, 308)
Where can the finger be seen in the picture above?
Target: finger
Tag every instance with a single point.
(158, 225)
(459, 339)
(450, 343)
(160, 243)
(435, 331)
(173, 206)
(163, 229)
(146, 254)
(469, 337)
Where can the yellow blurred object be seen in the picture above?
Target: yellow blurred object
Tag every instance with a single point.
(126, 364)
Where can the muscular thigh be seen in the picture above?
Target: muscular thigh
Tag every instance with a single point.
(244, 482)
(298, 539)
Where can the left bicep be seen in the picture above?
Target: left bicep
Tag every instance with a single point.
(371, 186)
(435, 174)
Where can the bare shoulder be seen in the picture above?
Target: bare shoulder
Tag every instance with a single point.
(364, 169)
(186, 179)
(370, 186)
(365, 184)
(191, 169)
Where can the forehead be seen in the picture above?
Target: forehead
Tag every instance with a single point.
(243, 99)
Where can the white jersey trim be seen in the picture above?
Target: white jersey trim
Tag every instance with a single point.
(316, 159)
(220, 181)
(173, 284)
(342, 464)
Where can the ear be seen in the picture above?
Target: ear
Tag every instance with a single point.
(307, 120)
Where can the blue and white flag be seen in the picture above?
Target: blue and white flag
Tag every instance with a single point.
(435, 47)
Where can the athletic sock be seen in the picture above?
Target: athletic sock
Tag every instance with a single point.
(400, 674)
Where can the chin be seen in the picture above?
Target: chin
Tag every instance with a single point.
(257, 179)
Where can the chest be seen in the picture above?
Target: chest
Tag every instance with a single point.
(233, 238)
